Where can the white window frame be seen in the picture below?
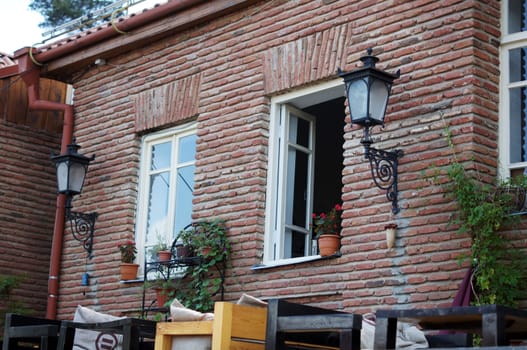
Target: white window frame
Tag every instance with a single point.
(172, 134)
(508, 43)
(273, 241)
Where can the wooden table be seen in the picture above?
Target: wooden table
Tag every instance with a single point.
(496, 324)
(291, 325)
(37, 332)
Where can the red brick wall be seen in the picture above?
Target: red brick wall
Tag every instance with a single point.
(447, 52)
(27, 211)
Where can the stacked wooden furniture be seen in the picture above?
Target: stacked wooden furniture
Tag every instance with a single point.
(235, 326)
(282, 325)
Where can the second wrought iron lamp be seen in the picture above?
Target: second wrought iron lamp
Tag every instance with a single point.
(368, 90)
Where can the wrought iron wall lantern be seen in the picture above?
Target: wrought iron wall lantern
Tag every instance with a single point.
(71, 172)
(367, 90)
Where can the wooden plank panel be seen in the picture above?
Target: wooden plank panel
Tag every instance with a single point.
(246, 315)
(185, 328)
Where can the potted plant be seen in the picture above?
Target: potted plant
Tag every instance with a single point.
(208, 239)
(163, 290)
(326, 227)
(128, 267)
(162, 250)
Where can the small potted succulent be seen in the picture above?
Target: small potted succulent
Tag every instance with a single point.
(128, 267)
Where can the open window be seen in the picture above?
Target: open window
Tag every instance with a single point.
(305, 168)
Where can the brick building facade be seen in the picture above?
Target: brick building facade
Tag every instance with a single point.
(228, 69)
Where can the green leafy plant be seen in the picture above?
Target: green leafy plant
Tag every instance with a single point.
(206, 276)
(328, 223)
(128, 251)
(8, 285)
(160, 246)
(484, 210)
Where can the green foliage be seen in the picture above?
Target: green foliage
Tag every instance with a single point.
(206, 277)
(8, 284)
(57, 12)
(499, 269)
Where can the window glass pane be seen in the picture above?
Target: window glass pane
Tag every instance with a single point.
(518, 147)
(516, 16)
(184, 190)
(299, 131)
(157, 206)
(294, 244)
(187, 149)
(297, 181)
(517, 65)
(161, 154)
(299, 244)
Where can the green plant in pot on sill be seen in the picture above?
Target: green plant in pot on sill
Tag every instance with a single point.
(499, 269)
(161, 250)
(128, 252)
(327, 227)
(206, 277)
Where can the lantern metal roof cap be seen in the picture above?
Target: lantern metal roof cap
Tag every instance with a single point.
(72, 152)
(368, 69)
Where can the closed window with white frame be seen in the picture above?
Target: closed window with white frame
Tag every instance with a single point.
(513, 89)
(305, 168)
(166, 187)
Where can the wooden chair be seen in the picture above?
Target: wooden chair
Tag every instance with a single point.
(235, 327)
(296, 326)
(23, 332)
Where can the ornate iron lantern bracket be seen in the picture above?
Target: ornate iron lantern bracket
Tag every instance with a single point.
(383, 167)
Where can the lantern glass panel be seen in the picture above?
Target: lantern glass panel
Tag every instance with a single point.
(378, 100)
(358, 100)
(62, 177)
(77, 175)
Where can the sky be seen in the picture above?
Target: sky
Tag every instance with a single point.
(19, 25)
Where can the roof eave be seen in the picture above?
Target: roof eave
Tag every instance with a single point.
(61, 61)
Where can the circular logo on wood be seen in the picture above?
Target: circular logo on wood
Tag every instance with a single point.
(106, 341)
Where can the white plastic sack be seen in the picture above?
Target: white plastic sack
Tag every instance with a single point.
(93, 340)
(409, 337)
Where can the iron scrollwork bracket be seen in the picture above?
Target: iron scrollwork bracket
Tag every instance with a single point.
(383, 166)
(82, 228)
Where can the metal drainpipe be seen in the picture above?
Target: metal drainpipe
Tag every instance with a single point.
(31, 75)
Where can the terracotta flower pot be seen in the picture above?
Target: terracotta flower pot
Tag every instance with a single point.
(183, 251)
(129, 271)
(161, 296)
(164, 256)
(205, 251)
(328, 244)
